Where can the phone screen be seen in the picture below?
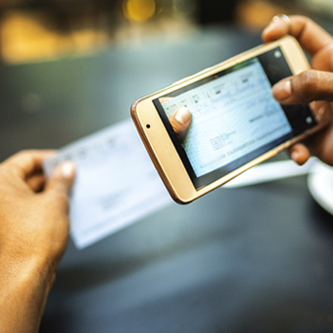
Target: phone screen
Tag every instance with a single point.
(234, 117)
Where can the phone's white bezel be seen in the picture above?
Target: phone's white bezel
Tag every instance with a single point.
(160, 146)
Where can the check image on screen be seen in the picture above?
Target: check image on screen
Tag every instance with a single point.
(232, 116)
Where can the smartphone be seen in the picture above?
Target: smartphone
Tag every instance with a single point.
(236, 123)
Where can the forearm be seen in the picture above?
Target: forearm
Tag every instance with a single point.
(24, 287)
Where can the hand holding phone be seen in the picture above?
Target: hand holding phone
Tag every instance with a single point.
(315, 84)
(235, 123)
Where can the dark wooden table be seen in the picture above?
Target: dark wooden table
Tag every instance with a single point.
(254, 259)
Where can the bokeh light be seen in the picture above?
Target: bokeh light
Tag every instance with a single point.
(139, 10)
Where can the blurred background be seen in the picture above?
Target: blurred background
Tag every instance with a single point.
(35, 30)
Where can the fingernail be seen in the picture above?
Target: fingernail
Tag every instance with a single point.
(273, 24)
(183, 116)
(282, 90)
(276, 22)
(68, 169)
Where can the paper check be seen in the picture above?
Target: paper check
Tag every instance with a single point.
(116, 183)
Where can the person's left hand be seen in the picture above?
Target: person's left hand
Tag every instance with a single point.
(34, 212)
(34, 229)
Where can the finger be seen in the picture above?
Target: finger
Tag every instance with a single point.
(304, 88)
(61, 181)
(320, 144)
(180, 120)
(27, 162)
(36, 182)
(310, 35)
(299, 153)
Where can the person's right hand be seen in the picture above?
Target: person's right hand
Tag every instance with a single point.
(314, 86)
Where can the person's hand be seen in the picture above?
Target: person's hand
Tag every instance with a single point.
(34, 212)
(34, 228)
(314, 86)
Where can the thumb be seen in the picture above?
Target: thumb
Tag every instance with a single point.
(180, 120)
(304, 88)
(62, 178)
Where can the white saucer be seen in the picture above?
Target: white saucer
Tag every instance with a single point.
(320, 184)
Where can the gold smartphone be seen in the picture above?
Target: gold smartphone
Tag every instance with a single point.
(236, 123)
